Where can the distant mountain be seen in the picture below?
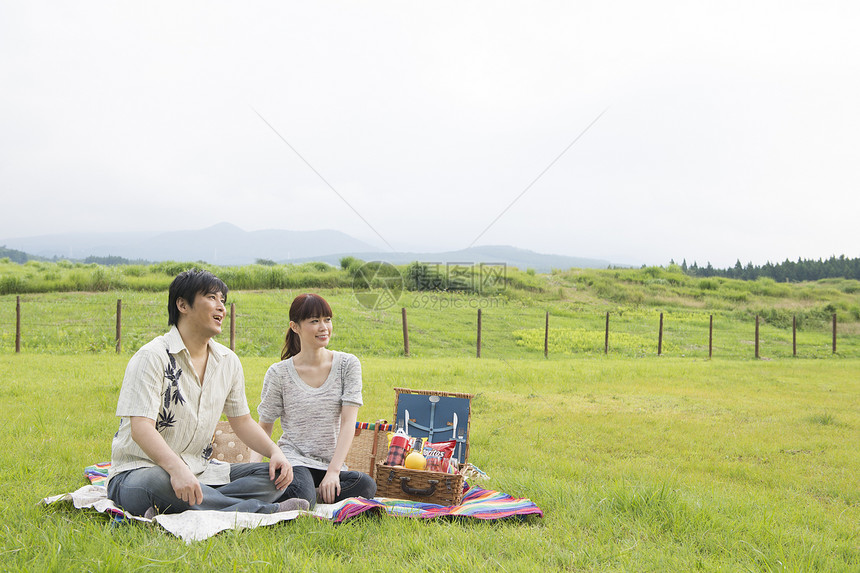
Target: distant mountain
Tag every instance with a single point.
(226, 244)
(17, 256)
(74, 245)
(222, 244)
(521, 258)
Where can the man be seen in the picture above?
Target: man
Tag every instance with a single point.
(174, 391)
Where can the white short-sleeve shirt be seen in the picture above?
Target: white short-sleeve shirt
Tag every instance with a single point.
(160, 384)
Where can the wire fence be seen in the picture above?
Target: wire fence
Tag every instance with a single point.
(437, 325)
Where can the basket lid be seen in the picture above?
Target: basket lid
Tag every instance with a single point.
(437, 416)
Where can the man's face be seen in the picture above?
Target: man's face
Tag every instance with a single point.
(206, 315)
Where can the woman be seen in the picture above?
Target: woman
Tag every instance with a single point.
(316, 392)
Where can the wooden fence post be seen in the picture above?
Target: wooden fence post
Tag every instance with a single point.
(794, 335)
(18, 323)
(756, 337)
(405, 332)
(834, 333)
(479, 333)
(711, 337)
(546, 337)
(660, 337)
(606, 335)
(118, 325)
(233, 326)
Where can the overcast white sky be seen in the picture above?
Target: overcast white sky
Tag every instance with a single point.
(730, 128)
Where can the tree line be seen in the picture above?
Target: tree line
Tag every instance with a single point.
(801, 270)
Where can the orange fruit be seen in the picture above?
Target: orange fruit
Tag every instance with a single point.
(415, 461)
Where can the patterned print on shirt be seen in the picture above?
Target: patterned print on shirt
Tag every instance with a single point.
(172, 395)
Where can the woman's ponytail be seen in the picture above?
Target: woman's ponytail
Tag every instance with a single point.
(292, 344)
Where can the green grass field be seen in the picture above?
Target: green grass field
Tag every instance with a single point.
(639, 462)
(647, 464)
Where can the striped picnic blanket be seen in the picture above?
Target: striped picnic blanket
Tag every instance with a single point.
(97, 473)
(478, 503)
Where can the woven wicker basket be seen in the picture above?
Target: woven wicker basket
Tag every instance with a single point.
(369, 440)
(419, 485)
(227, 447)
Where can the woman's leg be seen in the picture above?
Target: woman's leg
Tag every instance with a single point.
(356, 484)
(303, 486)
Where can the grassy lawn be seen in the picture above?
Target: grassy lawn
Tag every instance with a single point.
(670, 463)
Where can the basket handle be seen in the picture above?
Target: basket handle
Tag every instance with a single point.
(415, 491)
(376, 431)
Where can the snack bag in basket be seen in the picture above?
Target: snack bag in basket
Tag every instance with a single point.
(438, 455)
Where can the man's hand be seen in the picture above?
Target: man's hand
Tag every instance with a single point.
(182, 480)
(186, 486)
(330, 486)
(257, 438)
(280, 467)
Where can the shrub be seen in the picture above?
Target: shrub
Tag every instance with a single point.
(134, 270)
(318, 266)
(353, 265)
(347, 262)
(173, 268)
(11, 285)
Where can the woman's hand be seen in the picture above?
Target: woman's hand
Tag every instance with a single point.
(330, 486)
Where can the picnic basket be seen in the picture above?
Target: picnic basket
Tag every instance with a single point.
(437, 416)
(362, 455)
(368, 441)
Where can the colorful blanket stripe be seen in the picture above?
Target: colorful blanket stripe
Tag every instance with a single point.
(372, 426)
(478, 503)
(97, 473)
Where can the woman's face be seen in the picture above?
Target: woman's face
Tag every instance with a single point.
(314, 332)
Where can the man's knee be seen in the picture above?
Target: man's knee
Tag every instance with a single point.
(151, 478)
(138, 490)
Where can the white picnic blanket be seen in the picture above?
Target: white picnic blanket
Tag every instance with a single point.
(192, 525)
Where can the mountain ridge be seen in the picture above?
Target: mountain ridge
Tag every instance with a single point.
(228, 244)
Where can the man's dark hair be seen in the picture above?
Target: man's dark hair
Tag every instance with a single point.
(187, 285)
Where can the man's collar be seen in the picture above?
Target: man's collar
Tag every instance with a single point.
(175, 344)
